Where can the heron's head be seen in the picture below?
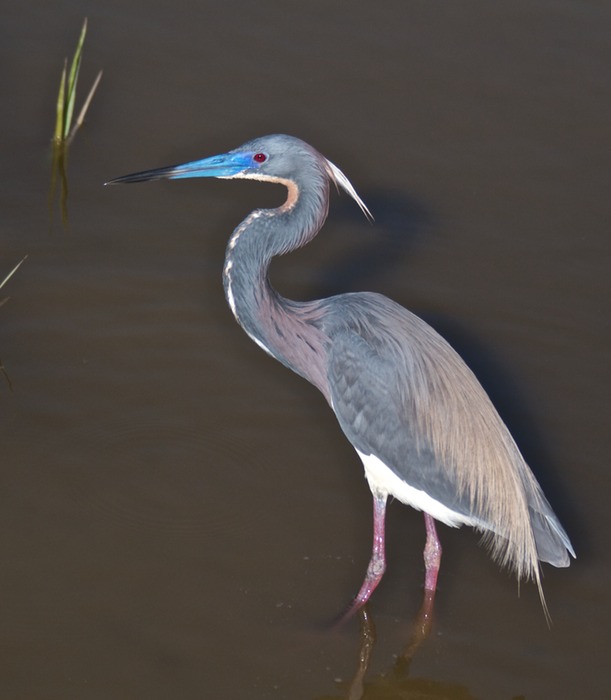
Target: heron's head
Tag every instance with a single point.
(275, 158)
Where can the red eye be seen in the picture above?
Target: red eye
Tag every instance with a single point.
(260, 157)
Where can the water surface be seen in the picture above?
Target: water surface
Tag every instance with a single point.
(180, 515)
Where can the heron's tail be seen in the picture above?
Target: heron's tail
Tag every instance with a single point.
(550, 540)
(553, 544)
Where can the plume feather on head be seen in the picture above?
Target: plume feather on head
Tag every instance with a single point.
(342, 181)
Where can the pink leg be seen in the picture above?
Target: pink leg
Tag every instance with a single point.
(377, 563)
(424, 620)
(432, 554)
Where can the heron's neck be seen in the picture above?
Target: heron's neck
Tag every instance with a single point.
(287, 330)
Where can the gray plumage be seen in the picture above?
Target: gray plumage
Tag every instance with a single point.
(401, 394)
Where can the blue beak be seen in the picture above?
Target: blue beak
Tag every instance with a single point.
(226, 165)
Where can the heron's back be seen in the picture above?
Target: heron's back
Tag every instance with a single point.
(403, 395)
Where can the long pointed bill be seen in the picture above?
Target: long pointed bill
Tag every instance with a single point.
(225, 165)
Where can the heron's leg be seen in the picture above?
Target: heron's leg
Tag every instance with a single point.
(423, 622)
(432, 554)
(377, 563)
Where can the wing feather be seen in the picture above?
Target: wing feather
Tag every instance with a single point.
(401, 393)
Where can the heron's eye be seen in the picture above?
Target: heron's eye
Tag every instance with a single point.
(259, 157)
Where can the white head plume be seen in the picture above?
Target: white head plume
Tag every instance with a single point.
(342, 181)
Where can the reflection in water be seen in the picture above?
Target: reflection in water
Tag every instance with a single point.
(421, 626)
(395, 681)
(59, 179)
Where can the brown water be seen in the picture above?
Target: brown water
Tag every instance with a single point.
(180, 516)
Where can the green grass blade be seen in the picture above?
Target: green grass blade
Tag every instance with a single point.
(60, 110)
(72, 80)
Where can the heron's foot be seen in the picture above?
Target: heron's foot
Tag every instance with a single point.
(375, 571)
(377, 563)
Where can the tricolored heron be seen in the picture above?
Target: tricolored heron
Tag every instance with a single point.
(423, 426)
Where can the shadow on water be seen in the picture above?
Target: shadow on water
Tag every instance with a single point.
(401, 222)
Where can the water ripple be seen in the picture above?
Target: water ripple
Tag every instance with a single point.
(169, 477)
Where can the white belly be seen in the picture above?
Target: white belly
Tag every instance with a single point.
(383, 480)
